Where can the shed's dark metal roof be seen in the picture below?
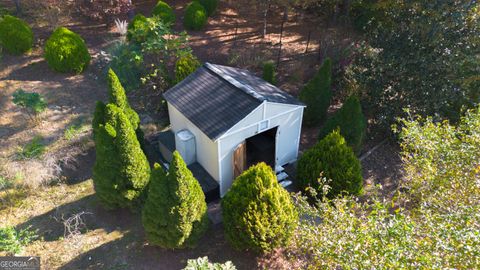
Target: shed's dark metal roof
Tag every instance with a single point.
(216, 97)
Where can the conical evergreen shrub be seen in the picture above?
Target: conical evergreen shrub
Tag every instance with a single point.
(121, 171)
(117, 96)
(258, 214)
(164, 12)
(269, 72)
(185, 65)
(351, 122)
(175, 213)
(333, 159)
(317, 95)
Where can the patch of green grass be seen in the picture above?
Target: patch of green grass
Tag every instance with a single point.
(13, 241)
(6, 183)
(73, 131)
(33, 149)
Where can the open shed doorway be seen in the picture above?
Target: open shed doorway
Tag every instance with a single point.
(261, 147)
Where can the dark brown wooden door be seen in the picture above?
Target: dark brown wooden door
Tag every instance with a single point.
(239, 159)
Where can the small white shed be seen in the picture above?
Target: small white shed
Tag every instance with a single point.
(235, 120)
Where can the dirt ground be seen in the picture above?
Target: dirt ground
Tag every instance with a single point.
(114, 239)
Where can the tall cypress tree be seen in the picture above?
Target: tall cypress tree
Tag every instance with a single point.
(175, 213)
(121, 170)
(117, 96)
(317, 95)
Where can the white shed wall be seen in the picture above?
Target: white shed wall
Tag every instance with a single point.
(206, 149)
(288, 118)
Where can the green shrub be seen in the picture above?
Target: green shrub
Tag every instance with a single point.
(175, 213)
(185, 65)
(65, 51)
(210, 6)
(33, 149)
(333, 159)
(269, 72)
(127, 62)
(121, 171)
(351, 121)
(258, 213)
(164, 12)
(204, 264)
(317, 95)
(138, 30)
(13, 241)
(32, 103)
(195, 16)
(16, 36)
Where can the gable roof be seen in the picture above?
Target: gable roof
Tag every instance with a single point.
(216, 97)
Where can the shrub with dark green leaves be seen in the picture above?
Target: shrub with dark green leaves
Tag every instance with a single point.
(65, 51)
(33, 103)
(127, 62)
(351, 122)
(269, 72)
(195, 16)
(210, 6)
(258, 214)
(333, 159)
(138, 30)
(121, 170)
(16, 36)
(185, 65)
(164, 12)
(175, 213)
(317, 95)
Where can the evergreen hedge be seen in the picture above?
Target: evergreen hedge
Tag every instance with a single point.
(351, 122)
(121, 171)
(175, 213)
(195, 16)
(16, 36)
(258, 214)
(269, 72)
(317, 95)
(185, 65)
(164, 12)
(210, 6)
(333, 159)
(65, 51)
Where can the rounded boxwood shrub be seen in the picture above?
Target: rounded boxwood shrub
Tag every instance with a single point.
(195, 16)
(164, 12)
(185, 65)
(65, 51)
(138, 29)
(351, 122)
(333, 159)
(16, 36)
(175, 213)
(210, 6)
(258, 213)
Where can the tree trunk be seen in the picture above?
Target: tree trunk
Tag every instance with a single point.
(265, 13)
(18, 6)
(284, 19)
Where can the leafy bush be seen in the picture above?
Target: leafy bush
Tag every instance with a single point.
(16, 36)
(104, 10)
(138, 30)
(164, 12)
(13, 241)
(333, 159)
(269, 72)
(65, 51)
(175, 214)
(33, 149)
(317, 95)
(32, 103)
(204, 264)
(185, 65)
(258, 213)
(195, 16)
(210, 6)
(349, 118)
(121, 170)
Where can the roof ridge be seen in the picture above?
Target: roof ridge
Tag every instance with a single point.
(239, 85)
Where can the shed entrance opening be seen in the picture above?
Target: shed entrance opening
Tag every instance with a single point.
(261, 147)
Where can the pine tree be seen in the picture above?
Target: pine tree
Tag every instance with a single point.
(317, 95)
(175, 213)
(121, 170)
(351, 122)
(117, 96)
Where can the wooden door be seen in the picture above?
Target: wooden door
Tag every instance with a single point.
(239, 159)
